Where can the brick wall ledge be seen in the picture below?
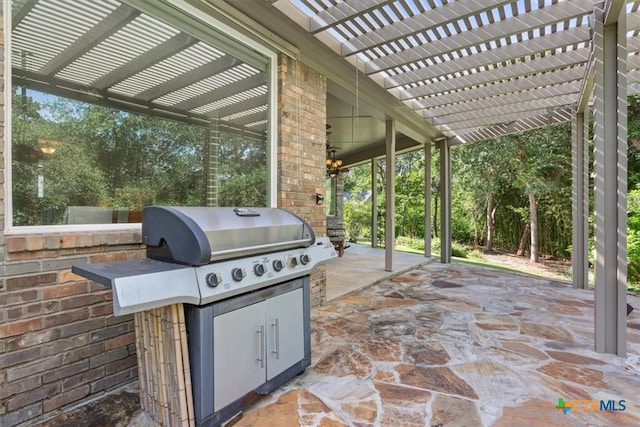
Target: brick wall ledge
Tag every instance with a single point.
(70, 240)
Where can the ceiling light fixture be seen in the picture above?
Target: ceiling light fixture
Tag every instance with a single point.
(333, 164)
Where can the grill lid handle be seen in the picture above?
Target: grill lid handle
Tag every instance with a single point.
(246, 212)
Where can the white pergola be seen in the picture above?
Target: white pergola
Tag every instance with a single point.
(472, 70)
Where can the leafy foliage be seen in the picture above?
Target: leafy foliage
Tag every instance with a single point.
(106, 157)
(633, 234)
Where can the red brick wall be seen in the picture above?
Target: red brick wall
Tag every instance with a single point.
(302, 151)
(60, 342)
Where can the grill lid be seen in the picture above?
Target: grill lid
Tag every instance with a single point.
(200, 235)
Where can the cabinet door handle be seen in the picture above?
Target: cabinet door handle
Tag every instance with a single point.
(276, 324)
(261, 358)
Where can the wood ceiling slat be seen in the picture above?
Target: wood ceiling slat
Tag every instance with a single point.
(501, 88)
(223, 92)
(247, 104)
(480, 35)
(633, 76)
(633, 62)
(342, 12)
(142, 34)
(248, 119)
(481, 118)
(521, 124)
(483, 104)
(495, 56)
(416, 24)
(633, 44)
(534, 66)
(633, 21)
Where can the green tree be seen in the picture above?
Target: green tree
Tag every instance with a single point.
(483, 173)
(543, 163)
(409, 188)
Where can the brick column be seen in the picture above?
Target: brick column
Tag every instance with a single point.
(301, 151)
(2, 147)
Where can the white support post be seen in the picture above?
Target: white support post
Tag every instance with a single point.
(610, 167)
(374, 203)
(445, 201)
(580, 200)
(390, 195)
(427, 200)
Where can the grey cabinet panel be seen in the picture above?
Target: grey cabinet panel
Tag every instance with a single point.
(237, 345)
(285, 337)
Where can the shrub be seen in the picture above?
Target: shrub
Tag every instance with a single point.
(633, 235)
(476, 254)
(357, 220)
(458, 250)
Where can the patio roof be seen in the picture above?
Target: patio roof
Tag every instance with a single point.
(470, 70)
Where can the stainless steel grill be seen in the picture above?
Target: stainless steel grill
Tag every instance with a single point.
(197, 236)
(243, 275)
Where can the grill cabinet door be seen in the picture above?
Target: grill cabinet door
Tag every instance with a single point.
(285, 338)
(238, 341)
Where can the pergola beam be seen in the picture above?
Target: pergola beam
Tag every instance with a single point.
(504, 114)
(148, 59)
(223, 92)
(220, 65)
(416, 25)
(117, 19)
(558, 115)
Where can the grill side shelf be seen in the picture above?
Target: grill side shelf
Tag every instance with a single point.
(139, 285)
(106, 273)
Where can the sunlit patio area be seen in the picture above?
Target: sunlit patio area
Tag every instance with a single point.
(459, 345)
(363, 266)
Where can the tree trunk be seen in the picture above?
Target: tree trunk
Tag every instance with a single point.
(491, 223)
(524, 239)
(477, 238)
(533, 221)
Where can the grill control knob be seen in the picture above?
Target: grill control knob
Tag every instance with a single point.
(305, 259)
(238, 274)
(259, 269)
(293, 262)
(278, 265)
(213, 279)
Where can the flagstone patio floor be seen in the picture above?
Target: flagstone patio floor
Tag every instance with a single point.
(458, 345)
